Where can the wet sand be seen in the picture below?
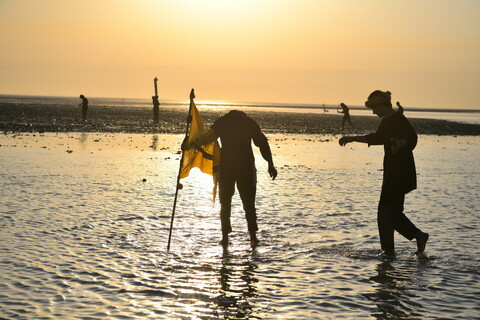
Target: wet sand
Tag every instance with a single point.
(85, 217)
(18, 117)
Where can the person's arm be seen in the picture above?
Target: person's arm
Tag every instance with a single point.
(377, 138)
(267, 155)
(202, 139)
(347, 139)
(260, 140)
(409, 141)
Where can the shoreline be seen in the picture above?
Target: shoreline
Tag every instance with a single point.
(29, 117)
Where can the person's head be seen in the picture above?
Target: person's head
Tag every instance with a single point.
(236, 114)
(82, 96)
(380, 102)
(343, 105)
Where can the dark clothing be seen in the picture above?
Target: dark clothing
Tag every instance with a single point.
(84, 108)
(236, 131)
(399, 178)
(391, 217)
(237, 164)
(346, 117)
(246, 180)
(399, 175)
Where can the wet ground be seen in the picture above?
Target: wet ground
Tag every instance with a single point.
(22, 117)
(84, 221)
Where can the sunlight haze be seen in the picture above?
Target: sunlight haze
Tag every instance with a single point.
(281, 51)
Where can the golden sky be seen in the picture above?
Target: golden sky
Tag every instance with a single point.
(285, 51)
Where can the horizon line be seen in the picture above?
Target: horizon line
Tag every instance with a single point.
(238, 103)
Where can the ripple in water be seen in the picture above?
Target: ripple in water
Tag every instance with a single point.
(84, 236)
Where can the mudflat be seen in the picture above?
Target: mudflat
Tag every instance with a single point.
(30, 117)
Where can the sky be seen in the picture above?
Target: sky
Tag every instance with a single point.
(426, 52)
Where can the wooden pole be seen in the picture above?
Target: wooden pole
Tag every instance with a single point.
(155, 85)
(189, 119)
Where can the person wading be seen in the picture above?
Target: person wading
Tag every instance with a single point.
(237, 166)
(398, 138)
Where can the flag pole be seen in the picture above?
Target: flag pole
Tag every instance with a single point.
(189, 119)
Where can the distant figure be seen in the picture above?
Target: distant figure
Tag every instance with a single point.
(400, 108)
(399, 176)
(324, 109)
(156, 108)
(84, 105)
(346, 115)
(237, 166)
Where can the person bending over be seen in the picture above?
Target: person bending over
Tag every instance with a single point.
(237, 166)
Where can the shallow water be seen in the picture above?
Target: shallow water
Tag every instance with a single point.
(84, 237)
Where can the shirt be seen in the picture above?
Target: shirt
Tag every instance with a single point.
(399, 174)
(236, 132)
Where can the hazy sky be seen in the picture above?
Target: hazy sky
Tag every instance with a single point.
(427, 52)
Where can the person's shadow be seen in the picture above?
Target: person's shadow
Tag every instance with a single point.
(390, 296)
(237, 280)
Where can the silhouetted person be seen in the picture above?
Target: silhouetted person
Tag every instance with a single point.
(156, 108)
(346, 115)
(84, 105)
(400, 108)
(237, 166)
(398, 138)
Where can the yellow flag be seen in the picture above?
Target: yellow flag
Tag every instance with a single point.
(205, 157)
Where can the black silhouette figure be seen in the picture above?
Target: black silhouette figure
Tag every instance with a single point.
(84, 105)
(346, 115)
(237, 165)
(398, 138)
(400, 108)
(156, 108)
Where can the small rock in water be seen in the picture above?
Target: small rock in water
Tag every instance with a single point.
(144, 180)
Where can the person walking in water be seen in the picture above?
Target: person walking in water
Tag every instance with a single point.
(156, 108)
(84, 105)
(237, 166)
(346, 115)
(398, 138)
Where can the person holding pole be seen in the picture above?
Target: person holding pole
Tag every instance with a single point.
(398, 138)
(237, 166)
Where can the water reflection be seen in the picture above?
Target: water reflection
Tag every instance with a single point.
(391, 297)
(154, 145)
(83, 140)
(237, 279)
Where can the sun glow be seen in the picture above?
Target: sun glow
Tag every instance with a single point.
(219, 7)
(285, 51)
(197, 178)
